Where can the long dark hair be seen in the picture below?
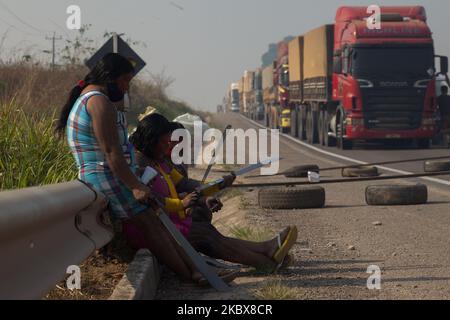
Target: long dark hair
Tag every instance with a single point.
(107, 70)
(149, 131)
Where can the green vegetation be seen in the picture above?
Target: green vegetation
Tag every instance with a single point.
(250, 233)
(30, 154)
(31, 95)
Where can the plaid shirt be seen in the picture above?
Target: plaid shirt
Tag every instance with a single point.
(91, 161)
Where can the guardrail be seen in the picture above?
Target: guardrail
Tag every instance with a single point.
(45, 230)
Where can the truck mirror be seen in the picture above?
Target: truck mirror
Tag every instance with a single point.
(444, 65)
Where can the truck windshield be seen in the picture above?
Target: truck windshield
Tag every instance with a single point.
(284, 77)
(392, 62)
(235, 95)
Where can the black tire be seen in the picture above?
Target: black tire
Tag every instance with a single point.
(308, 129)
(312, 136)
(315, 126)
(358, 172)
(424, 143)
(329, 141)
(300, 171)
(302, 124)
(437, 166)
(321, 128)
(396, 195)
(292, 198)
(342, 143)
(294, 124)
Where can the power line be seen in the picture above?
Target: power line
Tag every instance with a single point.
(20, 19)
(176, 5)
(53, 39)
(59, 27)
(18, 29)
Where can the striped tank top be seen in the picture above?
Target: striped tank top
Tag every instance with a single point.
(84, 146)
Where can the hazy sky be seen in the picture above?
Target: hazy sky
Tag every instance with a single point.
(203, 44)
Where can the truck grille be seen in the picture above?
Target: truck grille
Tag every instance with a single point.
(395, 109)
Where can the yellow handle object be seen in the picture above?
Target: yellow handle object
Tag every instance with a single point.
(173, 193)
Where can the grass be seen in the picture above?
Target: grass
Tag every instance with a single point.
(275, 290)
(244, 203)
(31, 155)
(250, 233)
(31, 96)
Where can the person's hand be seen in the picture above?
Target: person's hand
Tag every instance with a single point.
(228, 181)
(142, 193)
(214, 204)
(191, 200)
(183, 195)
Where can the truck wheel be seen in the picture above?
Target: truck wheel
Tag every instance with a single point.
(315, 126)
(396, 195)
(292, 198)
(424, 143)
(294, 124)
(301, 125)
(437, 166)
(329, 141)
(360, 172)
(342, 143)
(311, 127)
(321, 128)
(300, 171)
(308, 127)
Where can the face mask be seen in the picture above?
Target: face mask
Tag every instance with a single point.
(126, 103)
(114, 92)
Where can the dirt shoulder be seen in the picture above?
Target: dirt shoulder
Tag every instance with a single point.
(100, 274)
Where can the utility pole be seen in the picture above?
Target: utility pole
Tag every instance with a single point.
(53, 39)
(115, 42)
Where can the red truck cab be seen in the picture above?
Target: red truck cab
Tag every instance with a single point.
(384, 79)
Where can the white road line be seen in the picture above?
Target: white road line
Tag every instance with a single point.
(338, 156)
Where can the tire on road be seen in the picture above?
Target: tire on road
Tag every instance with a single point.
(358, 172)
(300, 171)
(437, 166)
(292, 198)
(396, 195)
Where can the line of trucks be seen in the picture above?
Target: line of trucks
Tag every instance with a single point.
(346, 81)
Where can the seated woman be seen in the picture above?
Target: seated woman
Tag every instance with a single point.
(152, 140)
(96, 131)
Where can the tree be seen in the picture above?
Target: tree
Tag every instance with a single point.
(78, 49)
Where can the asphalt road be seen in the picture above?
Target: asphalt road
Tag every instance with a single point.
(337, 244)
